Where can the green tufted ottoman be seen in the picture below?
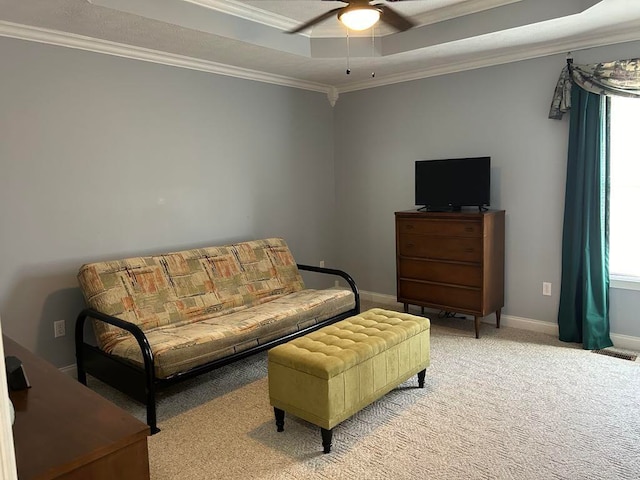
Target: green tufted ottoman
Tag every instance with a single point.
(326, 376)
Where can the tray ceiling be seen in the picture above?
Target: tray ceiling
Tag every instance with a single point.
(247, 38)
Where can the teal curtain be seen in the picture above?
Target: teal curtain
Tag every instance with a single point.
(583, 91)
(583, 314)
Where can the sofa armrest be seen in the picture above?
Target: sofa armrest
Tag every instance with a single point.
(339, 273)
(124, 380)
(138, 334)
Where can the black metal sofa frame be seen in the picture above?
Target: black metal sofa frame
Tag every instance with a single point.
(141, 384)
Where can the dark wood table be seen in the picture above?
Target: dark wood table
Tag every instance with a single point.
(64, 430)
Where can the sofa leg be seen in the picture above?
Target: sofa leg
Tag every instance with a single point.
(327, 436)
(279, 419)
(82, 375)
(421, 376)
(152, 420)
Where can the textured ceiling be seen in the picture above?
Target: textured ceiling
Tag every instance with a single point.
(247, 38)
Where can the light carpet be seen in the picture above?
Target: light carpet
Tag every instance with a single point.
(513, 404)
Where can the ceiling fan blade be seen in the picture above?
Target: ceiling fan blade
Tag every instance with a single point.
(313, 21)
(393, 18)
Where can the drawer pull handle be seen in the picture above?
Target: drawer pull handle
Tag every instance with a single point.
(410, 245)
(468, 250)
(468, 229)
(409, 227)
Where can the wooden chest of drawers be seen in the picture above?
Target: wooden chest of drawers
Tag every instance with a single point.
(65, 431)
(451, 261)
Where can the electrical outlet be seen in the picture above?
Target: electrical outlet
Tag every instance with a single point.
(546, 289)
(59, 329)
(322, 263)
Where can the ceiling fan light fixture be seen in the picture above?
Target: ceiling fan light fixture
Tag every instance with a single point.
(359, 18)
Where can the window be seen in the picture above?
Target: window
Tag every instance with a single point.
(624, 250)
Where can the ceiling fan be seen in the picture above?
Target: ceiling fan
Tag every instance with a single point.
(360, 15)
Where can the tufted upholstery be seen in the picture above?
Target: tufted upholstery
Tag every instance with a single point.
(328, 375)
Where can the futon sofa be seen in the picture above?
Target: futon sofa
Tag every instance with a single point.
(161, 319)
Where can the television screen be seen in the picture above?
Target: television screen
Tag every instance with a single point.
(453, 183)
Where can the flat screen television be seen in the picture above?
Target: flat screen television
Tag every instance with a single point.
(453, 183)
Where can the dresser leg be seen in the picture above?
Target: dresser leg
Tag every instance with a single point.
(477, 322)
(406, 308)
(498, 318)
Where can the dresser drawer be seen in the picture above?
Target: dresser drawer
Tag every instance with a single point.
(441, 272)
(440, 296)
(452, 228)
(464, 249)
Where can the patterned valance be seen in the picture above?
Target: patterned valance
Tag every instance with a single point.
(621, 77)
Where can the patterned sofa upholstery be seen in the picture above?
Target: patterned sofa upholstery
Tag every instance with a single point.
(164, 318)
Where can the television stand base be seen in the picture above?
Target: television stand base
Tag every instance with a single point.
(440, 209)
(449, 209)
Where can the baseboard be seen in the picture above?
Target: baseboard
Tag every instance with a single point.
(625, 342)
(379, 298)
(70, 370)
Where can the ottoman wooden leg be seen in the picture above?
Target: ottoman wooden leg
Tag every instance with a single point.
(279, 419)
(327, 435)
(421, 376)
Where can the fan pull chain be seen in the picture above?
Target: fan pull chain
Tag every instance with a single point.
(348, 69)
(373, 52)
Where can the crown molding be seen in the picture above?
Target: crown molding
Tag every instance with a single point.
(70, 40)
(598, 39)
(80, 42)
(459, 10)
(254, 14)
(241, 10)
(247, 12)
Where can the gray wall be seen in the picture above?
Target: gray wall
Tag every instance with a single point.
(103, 157)
(499, 111)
